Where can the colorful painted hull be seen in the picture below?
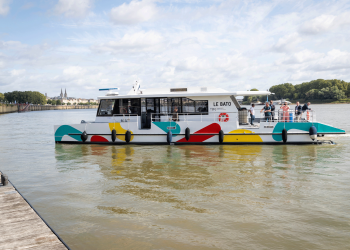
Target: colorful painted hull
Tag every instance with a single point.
(200, 133)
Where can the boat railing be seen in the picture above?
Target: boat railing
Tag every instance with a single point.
(289, 116)
(194, 117)
(126, 118)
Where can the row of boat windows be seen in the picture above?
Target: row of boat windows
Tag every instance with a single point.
(109, 107)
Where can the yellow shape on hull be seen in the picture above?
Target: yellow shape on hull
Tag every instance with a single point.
(118, 128)
(247, 137)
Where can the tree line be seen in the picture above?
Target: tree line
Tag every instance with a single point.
(33, 97)
(314, 90)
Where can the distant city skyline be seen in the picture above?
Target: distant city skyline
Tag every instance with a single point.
(85, 45)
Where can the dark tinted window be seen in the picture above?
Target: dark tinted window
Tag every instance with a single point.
(106, 107)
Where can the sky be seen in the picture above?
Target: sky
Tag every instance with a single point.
(84, 45)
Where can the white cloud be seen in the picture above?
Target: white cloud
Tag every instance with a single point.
(287, 43)
(17, 72)
(73, 8)
(4, 7)
(324, 23)
(300, 57)
(131, 43)
(74, 71)
(134, 12)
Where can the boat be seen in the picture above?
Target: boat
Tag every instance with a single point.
(193, 115)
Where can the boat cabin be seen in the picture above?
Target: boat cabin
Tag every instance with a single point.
(172, 104)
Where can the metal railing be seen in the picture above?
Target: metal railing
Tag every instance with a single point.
(196, 117)
(290, 116)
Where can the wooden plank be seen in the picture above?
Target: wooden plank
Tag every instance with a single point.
(20, 226)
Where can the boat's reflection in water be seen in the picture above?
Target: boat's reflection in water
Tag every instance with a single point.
(186, 196)
(156, 173)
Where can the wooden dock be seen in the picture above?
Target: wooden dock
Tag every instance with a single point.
(20, 226)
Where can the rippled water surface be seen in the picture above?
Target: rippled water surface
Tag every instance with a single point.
(182, 197)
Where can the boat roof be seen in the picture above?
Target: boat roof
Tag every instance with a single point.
(183, 92)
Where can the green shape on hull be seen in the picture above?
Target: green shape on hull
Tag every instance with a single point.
(65, 130)
(303, 126)
(166, 125)
(323, 128)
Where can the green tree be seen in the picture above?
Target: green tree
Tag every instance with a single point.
(2, 97)
(58, 102)
(33, 97)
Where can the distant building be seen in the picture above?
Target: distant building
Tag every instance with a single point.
(72, 100)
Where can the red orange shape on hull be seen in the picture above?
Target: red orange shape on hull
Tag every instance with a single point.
(97, 138)
(213, 128)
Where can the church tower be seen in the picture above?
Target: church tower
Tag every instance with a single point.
(61, 95)
(65, 94)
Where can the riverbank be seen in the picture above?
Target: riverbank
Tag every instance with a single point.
(14, 108)
(60, 107)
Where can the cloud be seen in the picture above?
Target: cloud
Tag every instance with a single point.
(134, 12)
(74, 71)
(287, 43)
(131, 43)
(73, 8)
(300, 57)
(324, 23)
(4, 7)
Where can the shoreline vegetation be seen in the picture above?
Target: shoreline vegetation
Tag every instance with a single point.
(33, 97)
(317, 92)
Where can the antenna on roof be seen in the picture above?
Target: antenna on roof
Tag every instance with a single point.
(110, 91)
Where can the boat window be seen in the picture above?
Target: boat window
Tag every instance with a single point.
(163, 105)
(174, 103)
(201, 106)
(150, 105)
(128, 106)
(143, 105)
(188, 105)
(106, 107)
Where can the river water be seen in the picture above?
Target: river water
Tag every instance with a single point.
(182, 197)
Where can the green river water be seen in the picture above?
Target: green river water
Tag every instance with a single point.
(182, 197)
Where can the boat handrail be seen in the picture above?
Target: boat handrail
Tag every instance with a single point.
(193, 117)
(291, 116)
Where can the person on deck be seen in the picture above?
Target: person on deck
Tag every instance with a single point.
(306, 108)
(298, 111)
(175, 115)
(285, 109)
(252, 114)
(267, 110)
(272, 110)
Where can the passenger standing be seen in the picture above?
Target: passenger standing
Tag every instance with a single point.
(175, 115)
(306, 108)
(252, 114)
(285, 109)
(272, 110)
(298, 109)
(267, 111)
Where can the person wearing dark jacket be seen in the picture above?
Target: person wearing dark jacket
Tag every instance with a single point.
(298, 110)
(306, 107)
(272, 110)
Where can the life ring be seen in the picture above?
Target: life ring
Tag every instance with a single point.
(223, 117)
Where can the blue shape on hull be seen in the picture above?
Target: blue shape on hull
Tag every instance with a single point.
(65, 130)
(303, 126)
(169, 126)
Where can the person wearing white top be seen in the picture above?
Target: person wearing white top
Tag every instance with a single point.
(252, 114)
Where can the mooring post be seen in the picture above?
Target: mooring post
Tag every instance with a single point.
(4, 179)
